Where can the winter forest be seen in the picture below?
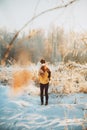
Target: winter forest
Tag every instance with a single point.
(57, 32)
(56, 46)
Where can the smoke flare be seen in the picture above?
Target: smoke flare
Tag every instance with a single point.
(20, 80)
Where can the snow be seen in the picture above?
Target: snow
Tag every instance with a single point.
(25, 112)
(67, 108)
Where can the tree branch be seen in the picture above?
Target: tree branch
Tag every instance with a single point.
(6, 54)
(46, 11)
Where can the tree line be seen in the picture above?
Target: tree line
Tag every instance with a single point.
(55, 46)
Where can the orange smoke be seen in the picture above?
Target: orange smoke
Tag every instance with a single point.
(20, 80)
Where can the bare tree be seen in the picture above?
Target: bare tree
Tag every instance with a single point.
(6, 54)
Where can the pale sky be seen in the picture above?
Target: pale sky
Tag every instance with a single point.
(15, 13)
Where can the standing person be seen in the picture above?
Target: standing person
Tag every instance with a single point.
(44, 78)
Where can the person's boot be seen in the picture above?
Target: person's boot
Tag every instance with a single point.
(46, 103)
(41, 103)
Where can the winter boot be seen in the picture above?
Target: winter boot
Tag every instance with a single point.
(46, 103)
(41, 103)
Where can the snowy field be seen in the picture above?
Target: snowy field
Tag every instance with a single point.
(24, 112)
(67, 108)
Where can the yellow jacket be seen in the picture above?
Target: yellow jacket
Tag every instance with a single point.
(43, 79)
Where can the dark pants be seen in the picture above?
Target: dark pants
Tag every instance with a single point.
(44, 87)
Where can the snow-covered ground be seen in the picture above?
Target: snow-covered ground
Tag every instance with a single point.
(24, 112)
(67, 108)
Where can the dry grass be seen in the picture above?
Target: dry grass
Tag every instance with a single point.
(66, 78)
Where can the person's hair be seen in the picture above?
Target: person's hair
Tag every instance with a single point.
(42, 61)
(43, 68)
